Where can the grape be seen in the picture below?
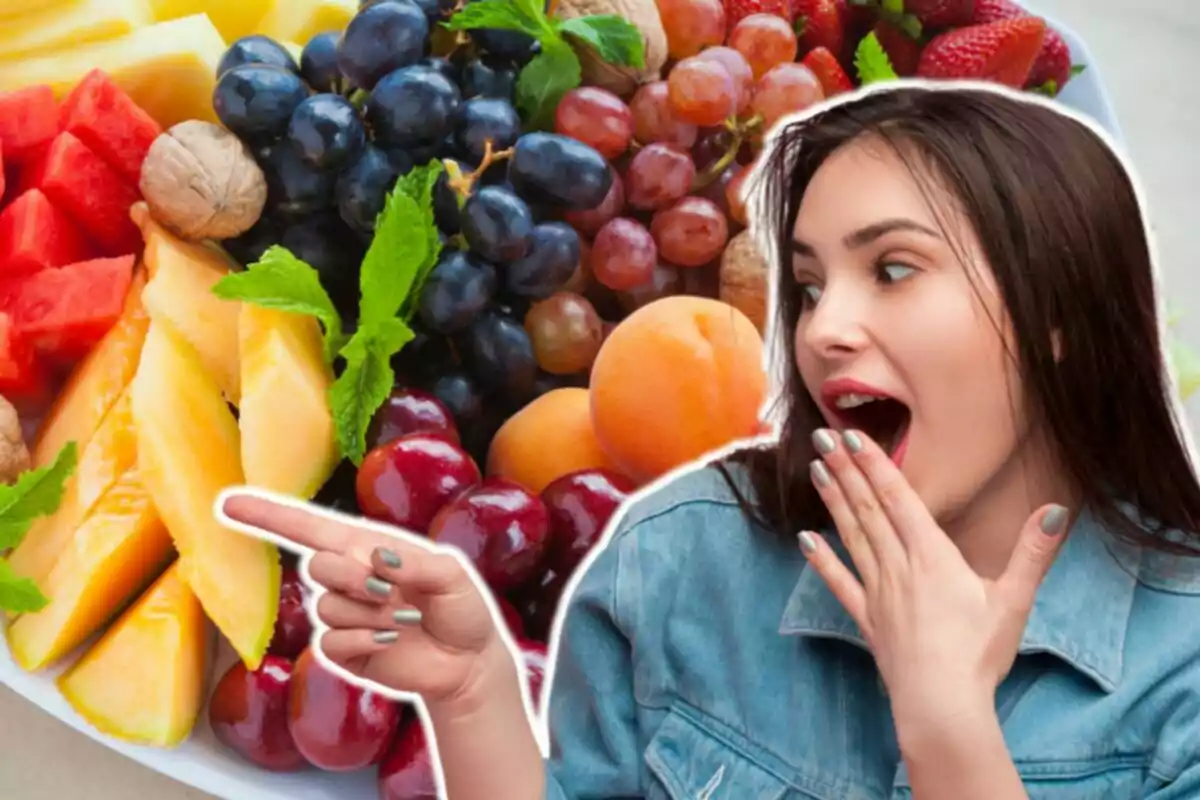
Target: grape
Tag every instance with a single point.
(497, 224)
(665, 281)
(514, 45)
(690, 233)
(294, 186)
(566, 333)
(489, 78)
(555, 169)
(593, 219)
(596, 117)
(381, 38)
(460, 393)
(785, 89)
(425, 357)
(623, 254)
(552, 259)
(500, 355)
(256, 49)
(323, 242)
(712, 146)
(738, 68)
(458, 289)
(363, 188)
(446, 214)
(658, 176)
(653, 120)
(701, 91)
(691, 25)
(413, 106)
(548, 381)
(765, 40)
(326, 131)
(255, 101)
(733, 196)
(249, 246)
(442, 65)
(435, 10)
(482, 120)
(319, 62)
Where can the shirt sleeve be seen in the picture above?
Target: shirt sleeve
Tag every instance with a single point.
(593, 732)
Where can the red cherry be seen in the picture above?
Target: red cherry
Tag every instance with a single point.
(248, 713)
(407, 771)
(293, 628)
(580, 505)
(410, 411)
(406, 481)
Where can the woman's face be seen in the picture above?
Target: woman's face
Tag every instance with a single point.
(888, 308)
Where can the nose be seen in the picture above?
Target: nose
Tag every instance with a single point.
(836, 326)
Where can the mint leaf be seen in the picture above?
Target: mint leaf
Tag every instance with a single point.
(19, 595)
(365, 383)
(497, 14)
(35, 493)
(398, 249)
(1077, 68)
(281, 281)
(419, 185)
(544, 80)
(872, 62)
(613, 37)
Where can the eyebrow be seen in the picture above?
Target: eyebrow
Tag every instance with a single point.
(864, 236)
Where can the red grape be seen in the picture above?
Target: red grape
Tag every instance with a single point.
(658, 176)
(691, 25)
(664, 282)
(596, 117)
(733, 197)
(690, 233)
(593, 219)
(624, 254)
(581, 277)
(764, 40)
(738, 68)
(566, 333)
(712, 145)
(785, 89)
(653, 120)
(701, 91)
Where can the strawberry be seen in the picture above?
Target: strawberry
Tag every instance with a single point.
(829, 72)
(941, 13)
(1002, 51)
(903, 51)
(994, 10)
(737, 10)
(1053, 62)
(820, 24)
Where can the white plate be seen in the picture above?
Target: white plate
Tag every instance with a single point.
(202, 763)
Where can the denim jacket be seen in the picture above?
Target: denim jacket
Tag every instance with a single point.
(699, 659)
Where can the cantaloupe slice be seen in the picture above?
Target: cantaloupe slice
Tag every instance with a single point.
(300, 20)
(118, 550)
(143, 681)
(179, 293)
(288, 440)
(233, 18)
(16, 8)
(169, 69)
(188, 451)
(77, 23)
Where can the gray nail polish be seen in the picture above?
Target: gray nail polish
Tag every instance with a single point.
(406, 616)
(389, 558)
(823, 441)
(820, 473)
(853, 442)
(385, 637)
(378, 587)
(1054, 522)
(807, 543)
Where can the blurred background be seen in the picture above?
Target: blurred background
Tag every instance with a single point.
(1143, 51)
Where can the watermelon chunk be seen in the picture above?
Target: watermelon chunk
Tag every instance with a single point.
(100, 114)
(35, 235)
(64, 312)
(24, 381)
(28, 120)
(3, 179)
(94, 194)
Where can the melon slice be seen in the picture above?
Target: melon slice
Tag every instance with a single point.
(143, 681)
(288, 440)
(49, 29)
(188, 451)
(300, 20)
(100, 114)
(16, 8)
(118, 550)
(233, 18)
(179, 293)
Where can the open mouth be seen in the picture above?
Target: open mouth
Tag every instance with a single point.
(885, 419)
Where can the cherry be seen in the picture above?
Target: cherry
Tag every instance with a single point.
(534, 656)
(537, 602)
(407, 480)
(410, 411)
(293, 628)
(248, 713)
(407, 772)
(580, 505)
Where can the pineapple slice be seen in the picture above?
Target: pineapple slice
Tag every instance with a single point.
(63, 27)
(300, 20)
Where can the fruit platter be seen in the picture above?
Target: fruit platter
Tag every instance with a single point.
(440, 264)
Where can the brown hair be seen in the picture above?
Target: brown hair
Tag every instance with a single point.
(1061, 226)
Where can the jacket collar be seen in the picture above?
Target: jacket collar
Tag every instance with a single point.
(1080, 613)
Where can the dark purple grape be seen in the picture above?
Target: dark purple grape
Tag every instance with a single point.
(514, 45)
(249, 247)
(436, 10)
(362, 189)
(460, 393)
(256, 49)
(460, 287)
(497, 224)
(442, 65)
(326, 131)
(381, 38)
(294, 186)
(402, 161)
(255, 101)
(325, 243)
(556, 169)
(550, 262)
(413, 106)
(445, 204)
(424, 153)
(500, 355)
(484, 77)
(319, 62)
(482, 120)
(424, 358)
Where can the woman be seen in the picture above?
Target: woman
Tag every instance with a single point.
(993, 594)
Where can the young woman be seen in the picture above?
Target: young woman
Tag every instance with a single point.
(994, 593)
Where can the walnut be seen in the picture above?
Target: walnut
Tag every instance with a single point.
(14, 456)
(744, 279)
(201, 182)
(643, 14)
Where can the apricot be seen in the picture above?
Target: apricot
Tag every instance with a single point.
(548, 438)
(675, 380)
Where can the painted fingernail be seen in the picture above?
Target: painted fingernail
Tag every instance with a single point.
(820, 473)
(406, 616)
(824, 442)
(853, 442)
(385, 637)
(1054, 522)
(808, 544)
(389, 558)
(378, 587)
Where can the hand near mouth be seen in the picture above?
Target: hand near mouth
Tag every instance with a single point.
(943, 637)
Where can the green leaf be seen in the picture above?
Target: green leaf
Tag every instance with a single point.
(1049, 88)
(544, 80)
(419, 185)
(613, 37)
(19, 595)
(893, 6)
(365, 383)
(497, 14)
(35, 493)
(281, 281)
(872, 62)
(1077, 68)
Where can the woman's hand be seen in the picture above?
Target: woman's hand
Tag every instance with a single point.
(943, 638)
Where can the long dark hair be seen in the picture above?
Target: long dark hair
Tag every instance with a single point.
(1060, 223)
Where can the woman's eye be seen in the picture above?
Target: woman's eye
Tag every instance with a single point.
(810, 293)
(894, 273)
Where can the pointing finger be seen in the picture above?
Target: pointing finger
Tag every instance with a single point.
(245, 509)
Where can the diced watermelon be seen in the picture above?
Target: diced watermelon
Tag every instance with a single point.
(35, 235)
(28, 118)
(64, 312)
(100, 114)
(24, 381)
(94, 194)
(3, 178)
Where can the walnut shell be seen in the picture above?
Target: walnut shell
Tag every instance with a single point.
(14, 455)
(744, 278)
(201, 182)
(621, 81)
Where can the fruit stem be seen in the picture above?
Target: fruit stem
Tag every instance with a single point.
(741, 131)
(462, 184)
(551, 9)
(359, 98)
